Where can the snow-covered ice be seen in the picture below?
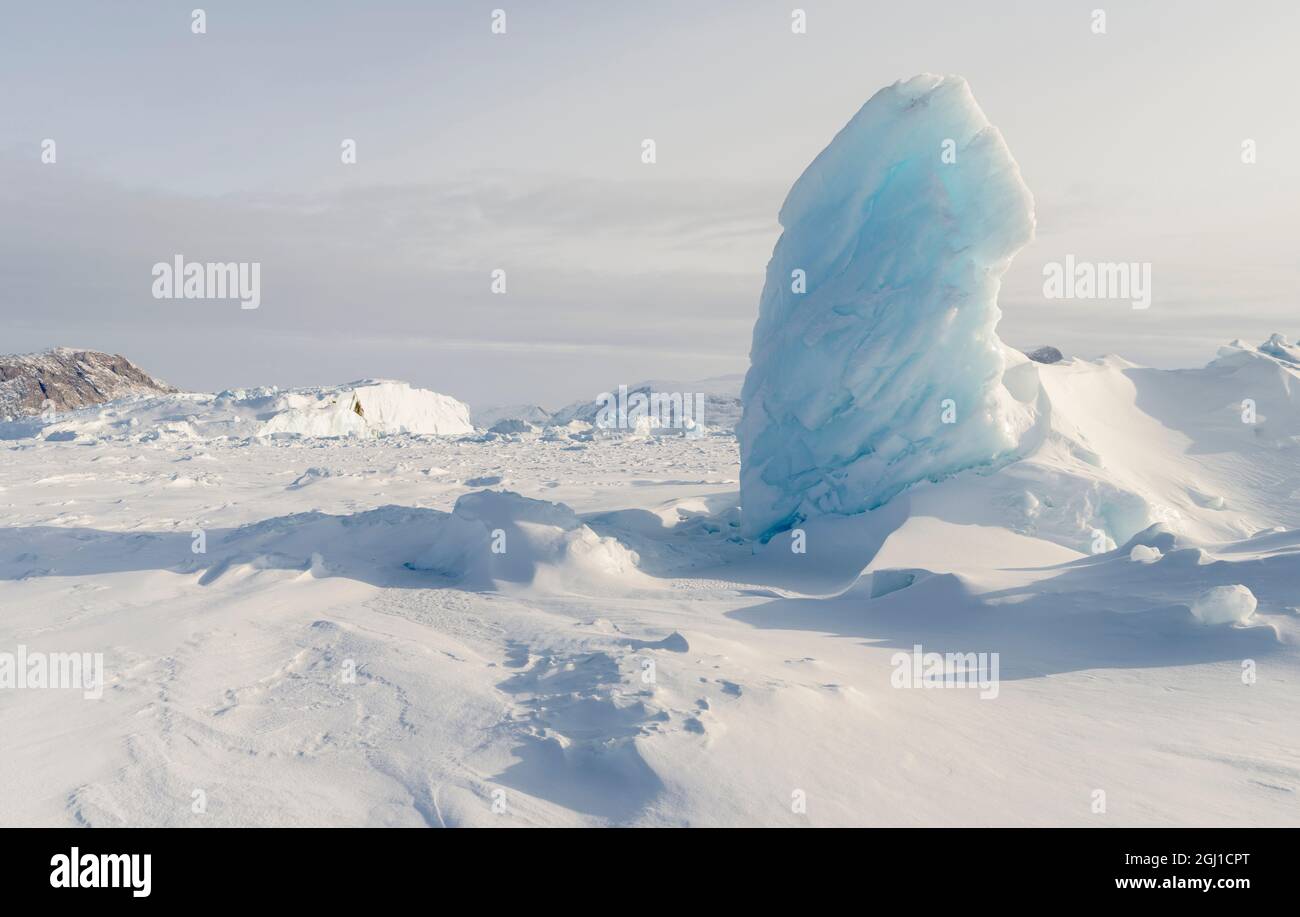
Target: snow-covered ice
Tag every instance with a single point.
(348, 650)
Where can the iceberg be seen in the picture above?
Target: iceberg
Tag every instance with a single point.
(875, 364)
(365, 408)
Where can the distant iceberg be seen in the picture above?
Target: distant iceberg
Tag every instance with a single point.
(363, 408)
(875, 363)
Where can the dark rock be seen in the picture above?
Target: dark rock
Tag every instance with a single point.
(65, 379)
(1045, 355)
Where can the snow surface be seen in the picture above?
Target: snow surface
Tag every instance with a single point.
(844, 403)
(312, 611)
(632, 659)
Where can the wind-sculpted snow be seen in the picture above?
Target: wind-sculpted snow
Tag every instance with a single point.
(350, 631)
(874, 362)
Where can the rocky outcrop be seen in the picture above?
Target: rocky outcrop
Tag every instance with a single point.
(65, 379)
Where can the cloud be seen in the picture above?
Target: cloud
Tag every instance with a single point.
(668, 268)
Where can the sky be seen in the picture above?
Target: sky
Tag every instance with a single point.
(522, 151)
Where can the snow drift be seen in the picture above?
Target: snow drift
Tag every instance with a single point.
(874, 362)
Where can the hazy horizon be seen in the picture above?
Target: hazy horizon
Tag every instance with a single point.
(522, 152)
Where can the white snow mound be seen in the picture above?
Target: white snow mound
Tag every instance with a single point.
(1224, 605)
(1144, 554)
(496, 537)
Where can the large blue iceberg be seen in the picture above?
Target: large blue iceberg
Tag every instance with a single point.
(875, 363)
